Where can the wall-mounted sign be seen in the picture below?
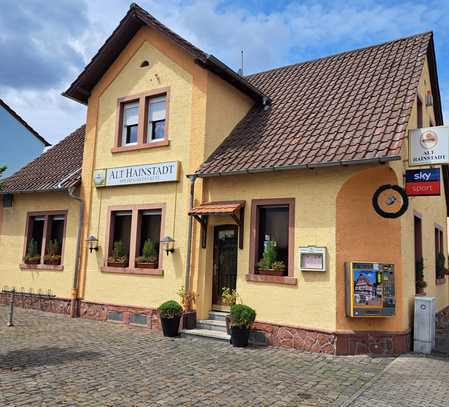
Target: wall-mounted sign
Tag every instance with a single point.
(312, 258)
(423, 182)
(136, 174)
(429, 146)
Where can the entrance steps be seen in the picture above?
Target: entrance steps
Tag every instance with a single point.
(212, 328)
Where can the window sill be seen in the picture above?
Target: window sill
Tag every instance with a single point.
(134, 271)
(42, 267)
(272, 279)
(441, 281)
(153, 144)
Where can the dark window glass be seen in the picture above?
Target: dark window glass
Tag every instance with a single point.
(419, 113)
(158, 130)
(37, 224)
(131, 134)
(273, 225)
(121, 230)
(149, 227)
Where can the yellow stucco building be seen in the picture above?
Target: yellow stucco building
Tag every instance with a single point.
(187, 174)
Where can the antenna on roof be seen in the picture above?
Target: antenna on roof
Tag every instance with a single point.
(240, 71)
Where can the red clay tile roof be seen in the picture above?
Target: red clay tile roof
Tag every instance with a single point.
(217, 208)
(24, 123)
(352, 106)
(135, 19)
(56, 169)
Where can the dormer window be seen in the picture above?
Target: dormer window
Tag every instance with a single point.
(130, 123)
(142, 121)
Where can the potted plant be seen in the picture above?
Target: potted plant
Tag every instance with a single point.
(242, 317)
(189, 315)
(419, 277)
(149, 258)
(441, 269)
(268, 264)
(229, 297)
(53, 256)
(119, 257)
(32, 255)
(170, 314)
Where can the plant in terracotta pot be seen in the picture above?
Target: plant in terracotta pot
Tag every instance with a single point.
(242, 317)
(170, 314)
(149, 258)
(53, 256)
(229, 297)
(32, 255)
(268, 265)
(187, 300)
(419, 277)
(119, 257)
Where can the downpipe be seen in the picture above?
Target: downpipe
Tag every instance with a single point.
(76, 273)
(189, 235)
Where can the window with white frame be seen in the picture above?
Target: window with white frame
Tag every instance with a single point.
(130, 123)
(156, 118)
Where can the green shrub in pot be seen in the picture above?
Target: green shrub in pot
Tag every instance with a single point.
(170, 314)
(242, 317)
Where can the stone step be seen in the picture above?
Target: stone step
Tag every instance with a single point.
(207, 334)
(218, 315)
(212, 324)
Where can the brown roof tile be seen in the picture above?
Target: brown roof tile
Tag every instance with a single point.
(352, 106)
(56, 169)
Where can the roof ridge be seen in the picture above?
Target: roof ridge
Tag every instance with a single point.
(338, 54)
(22, 121)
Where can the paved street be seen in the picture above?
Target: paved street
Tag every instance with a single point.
(52, 360)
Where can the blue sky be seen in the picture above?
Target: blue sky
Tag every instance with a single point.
(58, 37)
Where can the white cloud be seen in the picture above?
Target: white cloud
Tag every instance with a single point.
(293, 32)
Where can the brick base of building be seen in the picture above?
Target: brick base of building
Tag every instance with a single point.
(442, 318)
(356, 343)
(334, 343)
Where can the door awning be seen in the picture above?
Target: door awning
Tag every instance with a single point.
(235, 209)
(218, 208)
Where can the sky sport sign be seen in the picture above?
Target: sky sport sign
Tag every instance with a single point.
(136, 174)
(422, 182)
(429, 146)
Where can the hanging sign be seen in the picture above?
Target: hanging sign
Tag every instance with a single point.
(422, 182)
(136, 174)
(429, 146)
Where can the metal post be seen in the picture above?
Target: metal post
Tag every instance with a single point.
(11, 309)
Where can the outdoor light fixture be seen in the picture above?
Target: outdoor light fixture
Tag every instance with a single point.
(168, 244)
(92, 243)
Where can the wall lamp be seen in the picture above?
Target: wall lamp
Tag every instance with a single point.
(92, 243)
(168, 244)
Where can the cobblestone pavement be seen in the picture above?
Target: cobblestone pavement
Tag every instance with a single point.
(52, 360)
(411, 380)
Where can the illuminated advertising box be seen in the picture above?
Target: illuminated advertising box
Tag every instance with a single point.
(423, 182)
(370, 290)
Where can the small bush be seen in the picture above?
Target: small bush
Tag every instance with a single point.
(170, 309)
(149, 250)
(242, 316)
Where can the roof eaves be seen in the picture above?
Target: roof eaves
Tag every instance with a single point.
(24, 123)
(135, 18)
(378, 160)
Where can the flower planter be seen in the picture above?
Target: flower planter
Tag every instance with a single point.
(32, 260)
(53, 261)
(148, 265)
(117, 264)
(189, 320)
(170, 326)
(239, 337)
(270, 272)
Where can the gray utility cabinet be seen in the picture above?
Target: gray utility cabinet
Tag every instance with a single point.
(424, 329)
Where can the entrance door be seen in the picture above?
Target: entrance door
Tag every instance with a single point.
(225, 261)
